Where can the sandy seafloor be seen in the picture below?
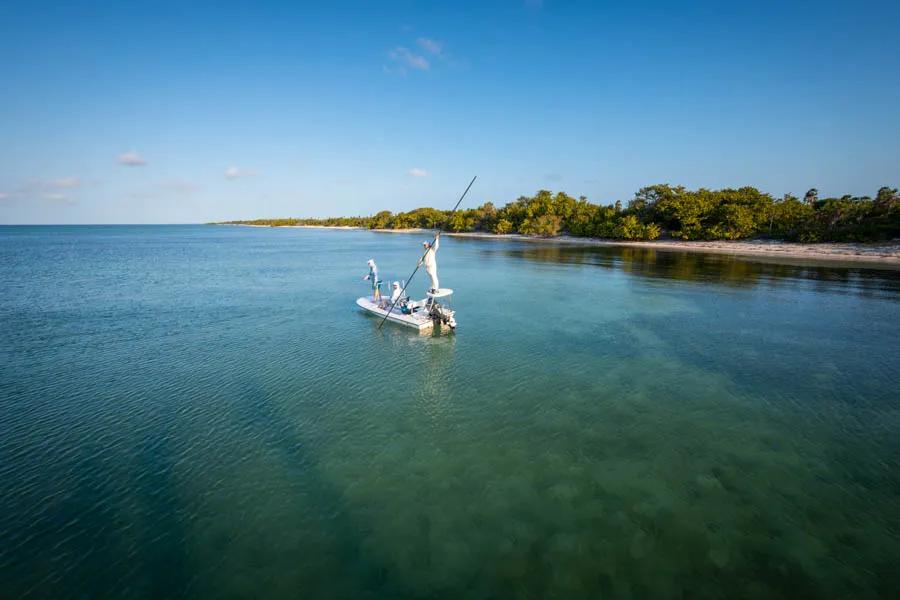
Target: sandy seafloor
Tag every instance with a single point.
(204, 412)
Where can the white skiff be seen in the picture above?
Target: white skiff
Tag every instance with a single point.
(424, 314)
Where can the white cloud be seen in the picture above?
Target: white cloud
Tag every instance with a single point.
(417, 172)
(59, 199)
(65, 183)
(131, 159)
(48, 187)
(235, 173)
(405, 58)
(429, 45)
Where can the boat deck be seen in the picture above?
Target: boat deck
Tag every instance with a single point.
(418, 320)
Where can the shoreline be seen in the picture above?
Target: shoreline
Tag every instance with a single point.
(883, 254)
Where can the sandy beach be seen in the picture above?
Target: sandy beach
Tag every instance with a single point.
(886, 254)
(881, 255)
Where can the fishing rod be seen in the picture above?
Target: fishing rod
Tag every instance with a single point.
(419, 264)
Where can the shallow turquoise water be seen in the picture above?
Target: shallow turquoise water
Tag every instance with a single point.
(203, 412)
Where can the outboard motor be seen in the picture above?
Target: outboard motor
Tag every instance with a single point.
(440, 311)
(444, 317)
(435, 312)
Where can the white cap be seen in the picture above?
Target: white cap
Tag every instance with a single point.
(425, 244)
(396, 284)
(371, 262)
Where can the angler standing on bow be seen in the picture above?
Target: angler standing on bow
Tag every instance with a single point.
(373, 277)
(430, 261)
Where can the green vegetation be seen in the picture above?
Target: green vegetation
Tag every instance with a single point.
(364, 222)
(728, 214)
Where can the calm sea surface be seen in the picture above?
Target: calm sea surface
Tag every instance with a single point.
(204, 412)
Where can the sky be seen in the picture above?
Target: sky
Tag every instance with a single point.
(185, 112)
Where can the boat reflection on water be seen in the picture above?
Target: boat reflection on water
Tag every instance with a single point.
(427, 361)
(435, 394)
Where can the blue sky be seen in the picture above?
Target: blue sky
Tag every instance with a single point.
(162, 112)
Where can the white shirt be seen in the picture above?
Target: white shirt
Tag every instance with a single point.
(429, 259)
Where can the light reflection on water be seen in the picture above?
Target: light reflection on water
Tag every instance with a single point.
(203, 411)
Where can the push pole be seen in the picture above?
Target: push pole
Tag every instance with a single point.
(419, 264)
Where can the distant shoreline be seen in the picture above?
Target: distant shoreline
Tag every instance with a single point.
(886, 254)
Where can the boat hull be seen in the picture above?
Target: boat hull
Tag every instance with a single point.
(420, 321)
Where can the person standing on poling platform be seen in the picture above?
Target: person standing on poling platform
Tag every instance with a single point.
(430, 261)
(373, 277)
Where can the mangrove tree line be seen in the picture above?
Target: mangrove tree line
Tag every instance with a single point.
(658, 210)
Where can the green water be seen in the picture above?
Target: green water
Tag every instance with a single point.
(204, 412)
